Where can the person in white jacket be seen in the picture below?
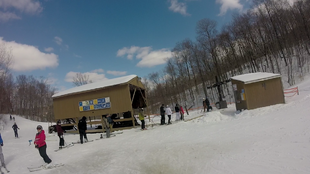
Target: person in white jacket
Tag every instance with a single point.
(169, 113)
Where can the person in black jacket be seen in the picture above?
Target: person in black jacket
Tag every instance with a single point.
(177, 112)
(82, 126)
(162, 114)
(60, 133)
(15, 127)
(208, 104)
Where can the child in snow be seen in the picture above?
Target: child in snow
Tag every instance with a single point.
(15, 127)
(60, 133)
(40, 144)
(2, 157)
(141, 118)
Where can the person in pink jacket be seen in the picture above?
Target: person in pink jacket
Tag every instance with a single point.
(40, 144)
(182, 113)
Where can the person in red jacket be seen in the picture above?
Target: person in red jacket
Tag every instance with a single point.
(40, 144)
(182, 113)
(60, 132)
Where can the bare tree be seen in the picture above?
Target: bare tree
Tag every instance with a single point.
(81, 79)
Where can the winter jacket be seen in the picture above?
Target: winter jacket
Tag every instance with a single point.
(82, 124)
(168, 111)
(109, 118)
(40, 139)
(162, 110)
(141, 116)
(177, 109)
(181, 109)
(59, 130)
(207, 102)
(1, 141)
(15, 127)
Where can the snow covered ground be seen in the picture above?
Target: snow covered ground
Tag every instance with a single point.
(269, 140)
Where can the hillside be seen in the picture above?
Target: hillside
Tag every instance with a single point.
(274, 139)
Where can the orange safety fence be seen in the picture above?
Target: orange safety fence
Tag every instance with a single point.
(291, 92)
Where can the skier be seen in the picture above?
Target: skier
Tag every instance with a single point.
(182, 113)
(60, 133)
(11, 117)
(204, 104)
(40, 144)
(162, 113)
(141, 118)
(169, 113)
(2, 157)
(82, 126)
(15, 127)
(177, 112)
(208, 104)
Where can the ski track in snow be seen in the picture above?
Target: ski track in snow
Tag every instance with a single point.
(274, 139)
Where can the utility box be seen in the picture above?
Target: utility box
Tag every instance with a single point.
(255, 90)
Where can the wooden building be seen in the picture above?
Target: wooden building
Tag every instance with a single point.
(118, 97)
(255, 90)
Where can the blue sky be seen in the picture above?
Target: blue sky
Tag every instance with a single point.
(101, 38)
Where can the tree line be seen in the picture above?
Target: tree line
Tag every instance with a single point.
(23, 95)
(273, 36)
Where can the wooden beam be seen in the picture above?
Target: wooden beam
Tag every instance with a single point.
(134, 93)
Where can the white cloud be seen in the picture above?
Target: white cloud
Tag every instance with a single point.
(49, 49)
(58, 40)
(117, 73)
(94, 76)
(229, 5)
(10, 7)
(26, 6)
(6, 16)
(98, 71)
(28, 57)
(178, 7)
(148, 57)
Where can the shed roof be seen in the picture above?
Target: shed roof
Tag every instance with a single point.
(255, 77)
(96, 85)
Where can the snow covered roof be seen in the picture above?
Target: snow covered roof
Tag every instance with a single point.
(255, 77)
(96, 85)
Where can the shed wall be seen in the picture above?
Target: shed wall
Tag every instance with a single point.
(68, 106)
(264, 93)
(240, 104)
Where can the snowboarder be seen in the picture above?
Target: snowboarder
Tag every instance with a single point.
(82, 126)
(40, 144)
(2, 157)
(182, 113)
(177, 112)
(169, 113)
(60, 133)
(141, 118)
(162, 113)
(15, 127)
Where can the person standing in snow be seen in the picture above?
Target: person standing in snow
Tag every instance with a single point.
(169, 113)
(177, 112)
(204, 104)
(182, 113)
(162, 113)
(15, 127)
(141, 118)
(208, 104)
(82, 126)
(10, 117)
(2, 157)
(40, 144)
(60, 133)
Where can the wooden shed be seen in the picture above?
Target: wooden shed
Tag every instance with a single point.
(255, 90)
(118, 97)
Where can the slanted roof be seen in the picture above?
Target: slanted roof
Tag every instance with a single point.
(96, 85)
(255, 77)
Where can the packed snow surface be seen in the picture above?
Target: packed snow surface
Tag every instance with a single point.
(269, 140)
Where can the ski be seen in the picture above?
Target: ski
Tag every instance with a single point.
(44, 167)
(78, 142)
(67, 146)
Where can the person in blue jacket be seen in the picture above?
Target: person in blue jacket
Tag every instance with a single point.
(2, 157)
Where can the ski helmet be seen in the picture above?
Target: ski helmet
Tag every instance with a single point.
(39, 127)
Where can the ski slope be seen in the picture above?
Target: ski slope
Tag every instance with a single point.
(271, 140)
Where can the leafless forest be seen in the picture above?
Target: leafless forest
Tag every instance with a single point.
(274, 36)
